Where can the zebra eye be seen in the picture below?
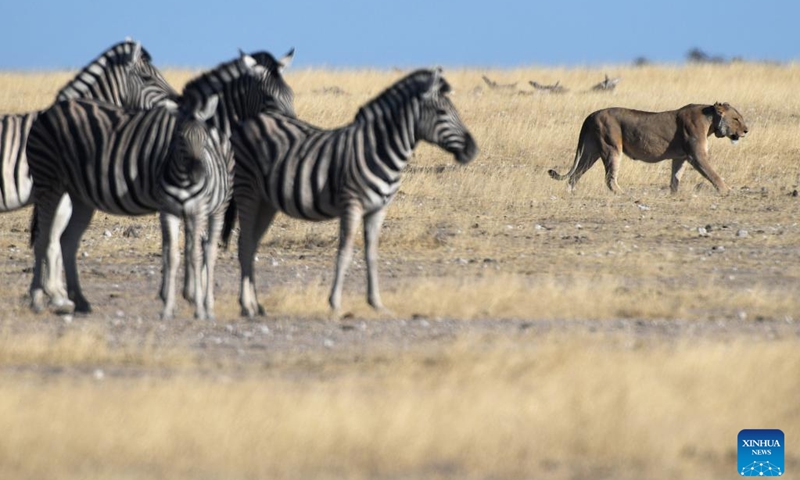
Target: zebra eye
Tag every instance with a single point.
(441, 112)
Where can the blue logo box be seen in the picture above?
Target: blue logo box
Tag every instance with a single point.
(761, 453)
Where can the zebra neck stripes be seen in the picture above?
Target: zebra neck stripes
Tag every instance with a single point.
(122, 75)
(246, 86)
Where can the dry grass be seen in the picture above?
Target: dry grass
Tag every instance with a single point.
(495, 239)
(549, 407)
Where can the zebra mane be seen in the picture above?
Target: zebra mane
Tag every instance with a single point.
(411, 86)
(215, 80)
(115, 55)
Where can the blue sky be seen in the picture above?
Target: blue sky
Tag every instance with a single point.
(53, 34)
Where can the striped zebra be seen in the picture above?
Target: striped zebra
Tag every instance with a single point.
(128, 163)
(353, 172)
(122, 75)
(246, 86)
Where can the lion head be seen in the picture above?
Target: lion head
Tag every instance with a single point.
(728, 122)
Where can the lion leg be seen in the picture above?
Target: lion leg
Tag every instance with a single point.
(678, 167)
(700, 161)
(611, 161)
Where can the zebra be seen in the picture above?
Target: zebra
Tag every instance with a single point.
(353, 172)
(246, 86)
(122, 75)
(129, 163)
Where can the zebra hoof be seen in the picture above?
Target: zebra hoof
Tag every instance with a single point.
(82, 307)
(166, 315)
(63, 307)
(37, 301)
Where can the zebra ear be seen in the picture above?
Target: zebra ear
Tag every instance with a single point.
(136, 54)
(284, 62)
(170, 105)
(251, 65)
(248, 61)
(207, 111)
(433, 84)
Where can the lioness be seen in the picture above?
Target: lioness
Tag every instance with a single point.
(680, 135)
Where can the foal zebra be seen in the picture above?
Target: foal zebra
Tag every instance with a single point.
(245, 86)
(122, 75)
(284, 164)
(128, 163)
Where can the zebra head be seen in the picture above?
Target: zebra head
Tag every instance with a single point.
(270, 90)
(147, 87)
(196, 146)
(439, 122)
(124, 76)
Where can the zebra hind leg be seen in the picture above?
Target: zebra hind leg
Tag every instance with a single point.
(254, 220)
(55, 261)
(46, 206)
(70, 240)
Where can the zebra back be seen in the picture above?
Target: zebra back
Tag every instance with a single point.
(123, 75)
(129, 163)
(246, 86)
(314, 174)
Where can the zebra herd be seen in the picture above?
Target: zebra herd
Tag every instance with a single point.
(119, 139)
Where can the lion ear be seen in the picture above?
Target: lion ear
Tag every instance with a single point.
(720, 107)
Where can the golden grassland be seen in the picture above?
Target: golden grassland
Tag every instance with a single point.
(547, 407)
(495, 239)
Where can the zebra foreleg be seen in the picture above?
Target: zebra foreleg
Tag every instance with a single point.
(254, 220)
(347, 229)
(372, 230)
(170, 257)
(70, 240)
(194, 226)
(210, 247)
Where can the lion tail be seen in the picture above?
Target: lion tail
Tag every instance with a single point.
(578, 154)
(557, 176)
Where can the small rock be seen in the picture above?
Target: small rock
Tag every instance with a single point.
(702, 231)
(68, 318)
(98, 374)
(742, 233)
(538, 227)
(264, 329)
(578, 226)
(120, 313)
(84, 254)
(107, 233)
(328, 343)
(643, 207)
(741, 315)
(131, 232)
(718, 248)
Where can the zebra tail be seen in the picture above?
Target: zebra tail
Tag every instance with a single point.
(34, 224)
(227, 225)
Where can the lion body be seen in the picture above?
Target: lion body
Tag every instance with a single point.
(680, 135)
